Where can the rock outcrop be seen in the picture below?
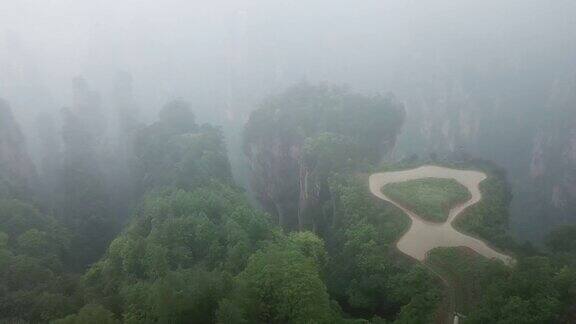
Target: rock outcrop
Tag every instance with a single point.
(17, 173)
(298, 139)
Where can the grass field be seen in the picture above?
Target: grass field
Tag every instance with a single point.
(429, 198)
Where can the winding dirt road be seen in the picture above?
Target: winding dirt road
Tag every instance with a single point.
(423, 236)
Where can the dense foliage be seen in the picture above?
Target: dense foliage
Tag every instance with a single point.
(177, 258)
(535, 290)
(488, 219)
(563, 240)
(282, 283)
(430, 198)
(366, 275)
(306, 111)
(33, 246)
(296, 139)
(175, 151)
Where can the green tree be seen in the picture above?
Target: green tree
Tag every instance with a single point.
(562, 239)
(279, 285)
(176, 152)
(310, 246)
(176, 259)
(90, 314)
(33, 284)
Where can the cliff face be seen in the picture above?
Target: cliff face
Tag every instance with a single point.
(274, 165)
(441, 116)
(17, 173)
(553, 158)
(297, 140)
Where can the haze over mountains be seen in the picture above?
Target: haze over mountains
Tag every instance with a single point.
(214, 161)
(485, 76)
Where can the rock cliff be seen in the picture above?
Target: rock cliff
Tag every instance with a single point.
(17, 173)
(298, 139)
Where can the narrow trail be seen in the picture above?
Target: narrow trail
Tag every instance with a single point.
(423, 236)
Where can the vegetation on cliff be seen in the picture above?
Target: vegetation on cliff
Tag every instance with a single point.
(296, 139)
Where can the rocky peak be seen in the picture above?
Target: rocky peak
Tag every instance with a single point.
(297, 139)
(17, 173)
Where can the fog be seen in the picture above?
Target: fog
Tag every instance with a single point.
(389, 161)
(225, 56)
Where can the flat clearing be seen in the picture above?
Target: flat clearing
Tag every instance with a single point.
(430, 198)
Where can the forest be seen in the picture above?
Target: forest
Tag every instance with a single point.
(256, 161)
(171, 238)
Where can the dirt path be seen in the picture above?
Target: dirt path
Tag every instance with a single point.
(423, 236)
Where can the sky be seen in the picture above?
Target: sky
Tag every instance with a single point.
(225, 55)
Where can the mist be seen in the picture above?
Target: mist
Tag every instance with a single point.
(213, 51)
(114, 110)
